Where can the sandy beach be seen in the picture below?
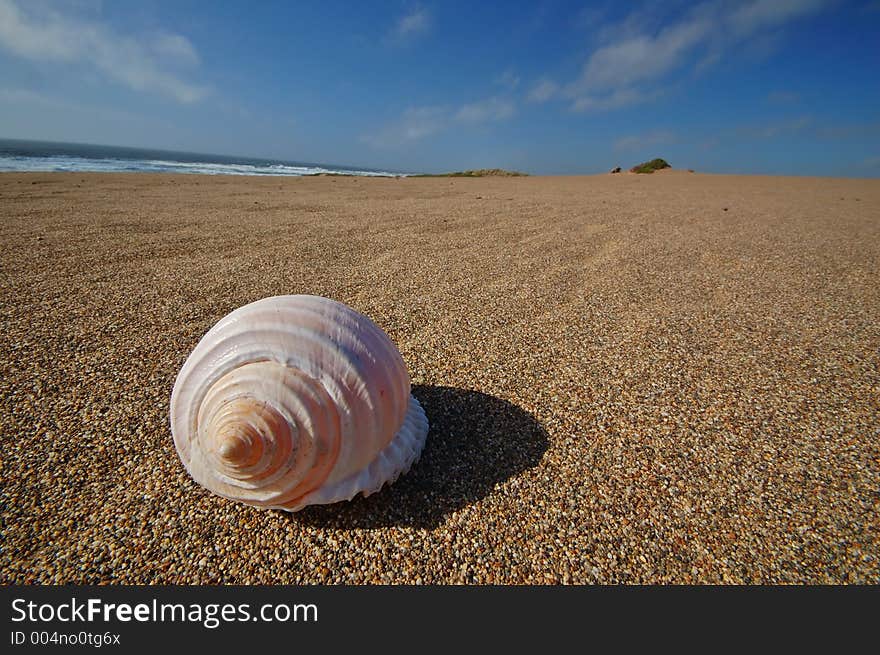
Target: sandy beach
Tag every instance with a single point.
(668, 378)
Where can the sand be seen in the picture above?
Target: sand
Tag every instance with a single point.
(666, 378)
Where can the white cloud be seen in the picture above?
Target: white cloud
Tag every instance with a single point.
(138, 62)
(415, 23)
(508, 79)
(416, 124)
(788, 126)
(640, 141)
(543, 91)
(25, 96)
(491, 109)
(176, 48)
(32, 100)
(838, 131)
(636, 55)
(642, 57)
(614, 100)
(749, 17)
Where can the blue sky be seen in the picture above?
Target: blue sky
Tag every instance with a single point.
(737, 86)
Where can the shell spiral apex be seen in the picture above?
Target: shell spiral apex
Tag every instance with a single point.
(292, 401)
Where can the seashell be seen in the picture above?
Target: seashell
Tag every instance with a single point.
(293, 401)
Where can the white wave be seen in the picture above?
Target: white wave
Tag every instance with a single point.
(88, 165)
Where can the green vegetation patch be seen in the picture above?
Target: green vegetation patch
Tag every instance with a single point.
(482, 172)
(650, 166)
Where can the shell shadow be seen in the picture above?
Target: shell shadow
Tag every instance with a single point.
(475, 441)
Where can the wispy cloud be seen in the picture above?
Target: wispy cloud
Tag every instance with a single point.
(415, 124)
(642, 57)
(793, 127)
(636, 55)
(141, 62)
(641, 141)
(411, 25)
(614, 100)
(839, 131)
(508, 79)
(26, 96)
(33, 100)
(589, 17)
(780, 128)
(418, 123)
(749, 17)
(543, 90)
(491, 109)
(177, 48)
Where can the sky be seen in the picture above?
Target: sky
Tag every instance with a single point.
(728, 86)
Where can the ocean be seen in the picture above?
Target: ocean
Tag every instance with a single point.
(17, 155)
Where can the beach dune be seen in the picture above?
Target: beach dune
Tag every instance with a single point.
(663, 378)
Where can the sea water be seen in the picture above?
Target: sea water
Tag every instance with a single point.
(16, 155)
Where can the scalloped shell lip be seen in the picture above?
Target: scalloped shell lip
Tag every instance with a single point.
(394, 460)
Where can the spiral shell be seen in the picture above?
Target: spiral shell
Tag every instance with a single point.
(293, 401)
